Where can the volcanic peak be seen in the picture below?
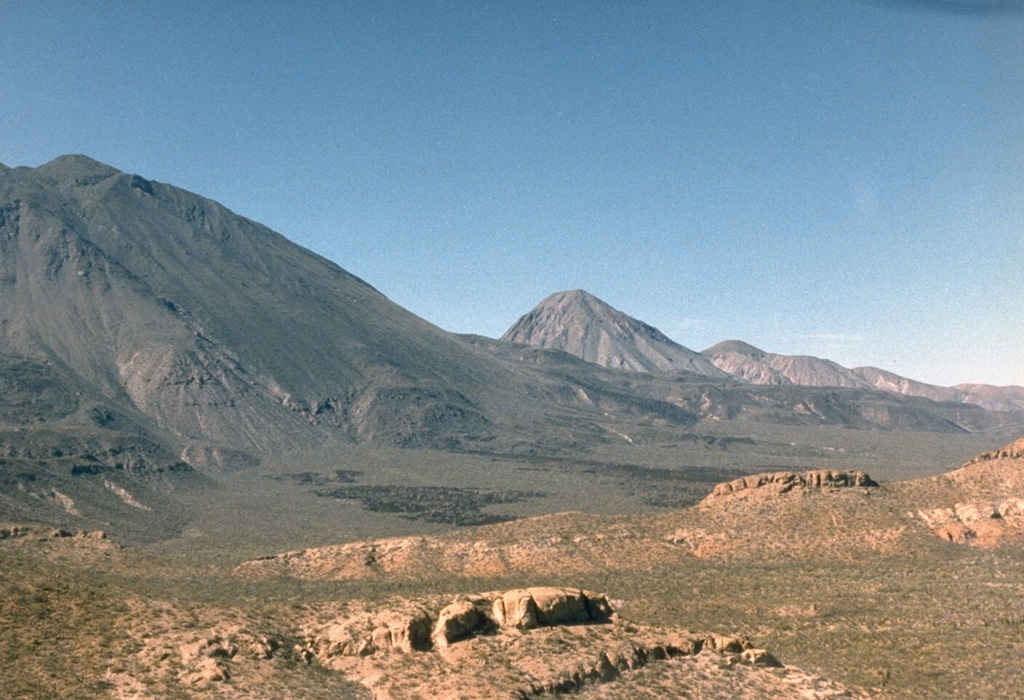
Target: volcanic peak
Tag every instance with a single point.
(76, 169)
(579, 323)
(737, 346)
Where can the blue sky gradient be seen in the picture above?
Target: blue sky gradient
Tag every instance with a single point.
(839, 178)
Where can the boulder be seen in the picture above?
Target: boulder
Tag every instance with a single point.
(559, 606)
(211, 648)
(516, 608)
(263, 647)
(208, 671)
(456, 621)
(759, 657)
(723, 644)
(1011, 507)
(598, 607)
(526, 608)
(971, 512)
(364, 635)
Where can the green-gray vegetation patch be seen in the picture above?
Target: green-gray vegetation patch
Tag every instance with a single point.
(437, 504)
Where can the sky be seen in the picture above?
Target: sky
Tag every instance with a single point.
(838, 178)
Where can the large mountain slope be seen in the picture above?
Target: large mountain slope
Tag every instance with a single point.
(218, 329)
(582, 325)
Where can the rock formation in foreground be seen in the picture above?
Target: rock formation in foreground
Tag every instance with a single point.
(524, 643)
(984, 501)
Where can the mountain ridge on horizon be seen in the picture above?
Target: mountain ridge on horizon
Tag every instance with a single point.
(557, 322)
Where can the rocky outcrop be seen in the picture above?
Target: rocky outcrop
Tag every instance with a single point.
(464, 654)
(526, 608)
(978, 524)
(208, 671)
(1014, 450)
(534, 639)
(210, 658)
(415, 627)
(13, 531)
(632, 655)
(19, 531)
(784, 482)
(459, 620)
(406, 630)
(206, 660)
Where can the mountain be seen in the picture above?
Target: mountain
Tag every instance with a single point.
(759, 367)
(138, 314)
(219, 330)
(994, 398)
(888, 381)
(582, 325)
(754, 365)
(164, 361)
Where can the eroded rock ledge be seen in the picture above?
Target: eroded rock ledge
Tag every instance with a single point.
(1014, 450)
(978, 524)
(630, 655)
(524, 626)
(15, 531)
(411, 626)
(518, 644)
(784, 482)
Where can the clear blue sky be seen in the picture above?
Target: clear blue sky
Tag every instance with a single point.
(838, 178)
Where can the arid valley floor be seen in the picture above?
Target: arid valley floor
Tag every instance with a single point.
(854, 588)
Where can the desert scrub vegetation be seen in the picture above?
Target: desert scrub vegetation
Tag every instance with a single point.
(54, 627)
(902, 627)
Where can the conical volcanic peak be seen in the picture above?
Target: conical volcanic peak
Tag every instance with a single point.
(581, 324)
(76, 170)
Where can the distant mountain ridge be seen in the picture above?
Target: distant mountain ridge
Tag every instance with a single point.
(581, 324)
(752, 364)
(142, 305)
